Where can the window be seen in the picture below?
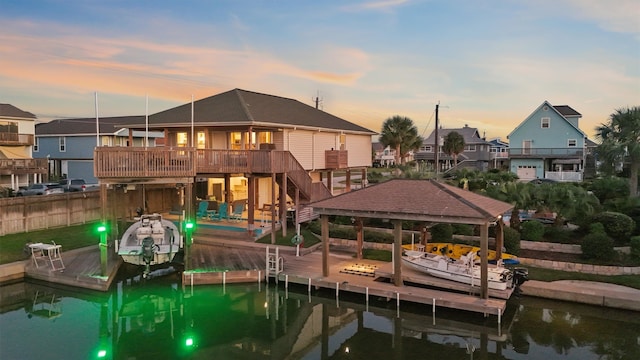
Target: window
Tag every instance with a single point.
(201, 140)
(106, 141)
(545, 122)
(36, 144)
(343, 142)
(572, 143)
(181, 139)
(526, 147)
(62, 142)
(236, 140)
(470, 148)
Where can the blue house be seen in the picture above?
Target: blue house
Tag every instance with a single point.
(499, 154)
(68, 144)
(549, 144)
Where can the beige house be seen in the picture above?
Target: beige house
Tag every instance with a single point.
(245, 148)
(17, 167)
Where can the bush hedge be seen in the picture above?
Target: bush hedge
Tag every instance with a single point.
(441, 233)
(617, 225)
(597, 244)
(635, 247)
(511, 241)
(532, 231)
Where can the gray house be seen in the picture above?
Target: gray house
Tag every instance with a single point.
(68, 144)
(476, 154)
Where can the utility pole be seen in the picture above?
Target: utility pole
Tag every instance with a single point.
(437, 144)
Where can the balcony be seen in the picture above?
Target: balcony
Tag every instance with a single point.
(23, 166)
(7, 138)
(336, 159)
(545, 153)
(564, 176)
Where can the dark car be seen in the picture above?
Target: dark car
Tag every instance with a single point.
(41, 189)
(543, 181)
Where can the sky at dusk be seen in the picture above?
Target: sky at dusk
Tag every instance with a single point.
(489, 63)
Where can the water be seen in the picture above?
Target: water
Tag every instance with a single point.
(156, 319)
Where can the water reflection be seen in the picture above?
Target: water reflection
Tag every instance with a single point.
(158, 320)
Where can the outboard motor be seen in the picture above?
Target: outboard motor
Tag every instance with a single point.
(148, 253)
(520, 275)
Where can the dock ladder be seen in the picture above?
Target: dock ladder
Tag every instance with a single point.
(275, 262)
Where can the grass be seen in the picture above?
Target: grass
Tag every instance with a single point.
(379, 255)
(554, 275)
(309, 238)
(72, 237)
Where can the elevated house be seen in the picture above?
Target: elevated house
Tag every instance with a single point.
(499, 154)
(68, 144)
(383, 156)
(476, 154)
(17, 143)
(268, 153)
(549, 144)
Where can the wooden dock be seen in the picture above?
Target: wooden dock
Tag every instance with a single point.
(219, 261)
(81, 269)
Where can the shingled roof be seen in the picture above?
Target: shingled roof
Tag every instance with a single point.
(242, 107)
(8, 110)
(420, 200)
(84, 126)
(471, 135)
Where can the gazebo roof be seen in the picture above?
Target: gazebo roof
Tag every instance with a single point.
(418, 200)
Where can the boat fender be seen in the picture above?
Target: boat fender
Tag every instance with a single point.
(435, 249)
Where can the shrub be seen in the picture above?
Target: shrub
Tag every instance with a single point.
(532, 230)
(597, 245)
(441, 233)
(560, 235)
(511, 240)
(617, 225)
(635, 247)
(462, 229)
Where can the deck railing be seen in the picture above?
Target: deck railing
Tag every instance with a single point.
(545, 152)
(140, 162)
(23, 166)
(7, 138)
(158, 162)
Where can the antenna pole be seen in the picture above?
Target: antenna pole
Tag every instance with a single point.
(437, 143)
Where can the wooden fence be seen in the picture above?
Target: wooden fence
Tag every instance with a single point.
(30, 213)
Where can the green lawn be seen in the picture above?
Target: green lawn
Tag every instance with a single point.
(309, 238)
(73, 237)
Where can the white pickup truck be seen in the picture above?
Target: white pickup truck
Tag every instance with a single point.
(73, 185)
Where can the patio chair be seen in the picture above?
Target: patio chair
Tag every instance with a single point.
(202, 210)
(236, 215)
(221, 213)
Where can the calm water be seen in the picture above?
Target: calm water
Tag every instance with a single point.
(157, 320)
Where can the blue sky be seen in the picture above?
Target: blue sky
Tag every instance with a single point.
(489, 63)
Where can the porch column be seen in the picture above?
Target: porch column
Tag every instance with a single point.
(283, 204)
(273, 208)
(251, 203)
(104, 242)
(347, 180)
(330, 181)
(363, 178)
(499, 238)
(484, 261)
(397, 252)
(227, 188)
(324, 233)
(359, 237)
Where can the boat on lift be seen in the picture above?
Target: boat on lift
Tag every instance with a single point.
(150, 241)
(463, 270)
(456, 251)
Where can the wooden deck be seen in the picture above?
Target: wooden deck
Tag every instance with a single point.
(81, 269)
(219, 261)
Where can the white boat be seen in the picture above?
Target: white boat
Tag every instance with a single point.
(151, 240)
(463, 270)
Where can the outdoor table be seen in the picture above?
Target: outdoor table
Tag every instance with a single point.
(49, 253)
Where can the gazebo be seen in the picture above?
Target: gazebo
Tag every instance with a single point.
(428, 201)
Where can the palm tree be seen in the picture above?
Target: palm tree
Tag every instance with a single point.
(620, 142)
(453, 145)
(399, 133)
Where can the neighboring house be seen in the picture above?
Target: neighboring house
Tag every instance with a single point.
(68, 144)
(549, 144)
(17, 167)
(244, 145)
(499, 154)
(476, 153)
(383, 156)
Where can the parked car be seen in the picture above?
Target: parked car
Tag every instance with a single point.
(73, 185)
(41, 189)
(543, 181)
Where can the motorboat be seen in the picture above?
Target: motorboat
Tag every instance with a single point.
(151, 240)
(463, 270)
(456, 251)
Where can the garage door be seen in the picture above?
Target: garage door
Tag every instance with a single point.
(526, 172)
